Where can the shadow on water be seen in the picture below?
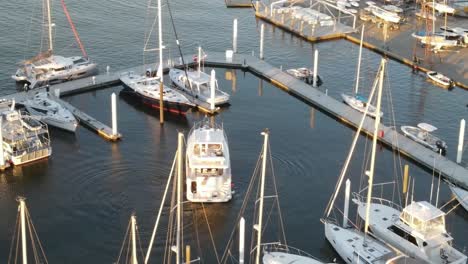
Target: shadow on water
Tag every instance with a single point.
(31, 173)
(138, 105)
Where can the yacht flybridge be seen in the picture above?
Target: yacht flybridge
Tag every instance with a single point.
(48, 68)
(417, 231)
(25, 139)
(208, 164)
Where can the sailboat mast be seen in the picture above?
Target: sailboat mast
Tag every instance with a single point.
(160, 68)
(134, 251)
(199, 60)
(359, 60)
(23, 229)
(179, 193)
(433, 17)
(262, 192)
(374, 145)
(49, 21)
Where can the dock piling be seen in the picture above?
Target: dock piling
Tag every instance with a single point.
(315, 68)
(114, 114)
(346, 203)
(212, 89)
(241, 240)
(262, 35)
(57, 93)
(460, 141)
(93, 79)
(107, 69)
(234, 36)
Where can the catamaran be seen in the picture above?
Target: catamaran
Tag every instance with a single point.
(198, 84)
(151, 89)
(48, 68)
(50, 112)
(208, 165)
(422, 135)
(358, 101)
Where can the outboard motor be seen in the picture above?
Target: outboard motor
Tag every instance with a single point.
(441, 146)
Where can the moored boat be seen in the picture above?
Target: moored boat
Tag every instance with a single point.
(421, 134)
(50, 112)
(439, 78)
(360, 103)
(208, 164)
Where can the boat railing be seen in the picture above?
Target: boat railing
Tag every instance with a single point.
(279, 247)
(377, 200)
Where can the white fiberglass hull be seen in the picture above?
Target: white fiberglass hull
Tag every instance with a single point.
(176, 76)
(286, 258)
(360, 106)
(461, 195)
(69, 126)
(439, 78)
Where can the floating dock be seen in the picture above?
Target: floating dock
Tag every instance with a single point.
(398, 45)
(342, 112)
(88, 121)
(238, 3)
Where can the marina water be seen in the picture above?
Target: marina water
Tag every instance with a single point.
(81, 198)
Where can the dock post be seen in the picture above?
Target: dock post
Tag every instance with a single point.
(57, 92)
(262, 35)
(346, 203)
(460, 141)
(2, 157)
(187, 254)
(234, 36)
(314, 83)
(107, 69)
(241, 240)
(94, 79)
(212, 89)
(114, 114)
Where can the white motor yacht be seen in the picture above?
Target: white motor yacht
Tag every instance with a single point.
(208, 164)
(25, 139)
(50, 112)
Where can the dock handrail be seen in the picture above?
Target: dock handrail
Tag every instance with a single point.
(359, 197)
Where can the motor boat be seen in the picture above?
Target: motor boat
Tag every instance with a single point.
(359, 103)
(208, 164)
(439, 78)
(42, 107)
(421, 134)
(304, 74)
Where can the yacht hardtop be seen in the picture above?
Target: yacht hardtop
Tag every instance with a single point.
(208, 164)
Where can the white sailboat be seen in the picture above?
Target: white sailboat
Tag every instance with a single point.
(357, 101)
(198, 84)
(151, 89)
(352, 245)
(50, 112)
(48, 68)
(208, 164)
(422, 135)
(26, 236)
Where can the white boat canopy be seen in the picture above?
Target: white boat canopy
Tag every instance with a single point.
(427, 127)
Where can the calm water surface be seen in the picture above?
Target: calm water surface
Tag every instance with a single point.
(82, 197)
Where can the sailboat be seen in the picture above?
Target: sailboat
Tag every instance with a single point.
(48, 68)
(177, 207)
(418, 230)
(198, 84)
(26, 235)
(131, 242)
(151, 89)
(352, 245)
(266, 253)
(208, 165)
(50, 112)
(358, 101)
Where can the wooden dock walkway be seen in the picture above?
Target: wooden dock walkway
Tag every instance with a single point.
(337, 109)
(238, 3)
